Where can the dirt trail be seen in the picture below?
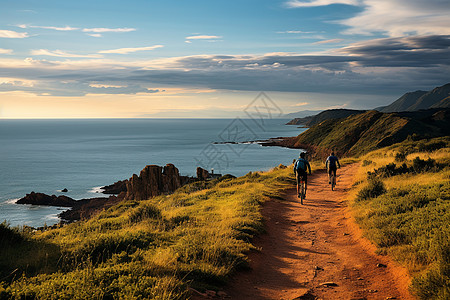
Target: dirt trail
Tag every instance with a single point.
(309, 245)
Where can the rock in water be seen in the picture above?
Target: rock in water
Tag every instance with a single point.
(43, 199)
(153, 181)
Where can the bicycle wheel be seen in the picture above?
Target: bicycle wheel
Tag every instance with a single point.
(302, 192)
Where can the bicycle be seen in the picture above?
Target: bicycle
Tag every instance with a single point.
(333, 181)
(302, 188)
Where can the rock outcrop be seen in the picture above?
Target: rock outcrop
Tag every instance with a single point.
(44, 199)
(86, 208)
(202, 174)
(115, 188)
(153, 181)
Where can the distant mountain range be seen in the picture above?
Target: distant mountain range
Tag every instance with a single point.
(413, 101)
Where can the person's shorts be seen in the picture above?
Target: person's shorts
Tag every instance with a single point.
(332, 169)
(302, 176)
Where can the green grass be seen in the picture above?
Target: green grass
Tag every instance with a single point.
(404, 208)
(152, 249)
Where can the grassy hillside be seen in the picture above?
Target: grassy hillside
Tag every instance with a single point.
(155, 248)
(402, 202)
(361, 133)
(325, 115)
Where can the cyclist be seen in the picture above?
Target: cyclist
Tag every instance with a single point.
(331, 166)
(301, 166)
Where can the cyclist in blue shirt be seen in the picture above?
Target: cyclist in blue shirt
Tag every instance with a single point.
(301, 166)
(331, 164)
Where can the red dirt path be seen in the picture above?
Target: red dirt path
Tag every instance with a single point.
(308, 245)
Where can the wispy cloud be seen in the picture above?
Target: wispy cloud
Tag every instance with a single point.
(130, 50)
(97, 35)
(313, 3)
(102, 30)
(295, 32)
(59, 53)
(203, 37)
(332, 41)
(65, 28)
(6, 51)
(13, 34)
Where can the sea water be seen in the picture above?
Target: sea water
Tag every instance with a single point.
(82, 155)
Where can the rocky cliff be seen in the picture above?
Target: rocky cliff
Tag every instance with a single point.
(153, 181)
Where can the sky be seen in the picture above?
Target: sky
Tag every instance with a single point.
(211, 59)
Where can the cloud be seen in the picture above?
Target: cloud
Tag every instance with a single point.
(97, 35)
(394, 18)
(59, 53)
(332, 41)
(313, 3)
(65, 28)
(13, 34)
(417, 51)
(401, 17)
(102, 30)
(6, 51)
(130, 50)
(295, 32)
(389, 66)
(203, 37)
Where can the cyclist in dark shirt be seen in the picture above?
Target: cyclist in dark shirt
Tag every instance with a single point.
(332, 163)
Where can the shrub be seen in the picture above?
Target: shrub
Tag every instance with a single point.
(400, 156)
(366, 162)
(374, 189)
(9, 235)
(420, 165)
(143, 212)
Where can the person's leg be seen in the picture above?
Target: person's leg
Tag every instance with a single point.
(305, 179)
(297, 176)
(329, 175)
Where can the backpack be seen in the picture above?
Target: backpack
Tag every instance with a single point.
(300, 165)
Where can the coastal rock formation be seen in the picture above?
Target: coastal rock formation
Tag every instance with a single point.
(202, 174)
(153, 181)
(115, 188)
(43, 199)
(86, 208)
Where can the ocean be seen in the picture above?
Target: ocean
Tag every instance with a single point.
(82, 155)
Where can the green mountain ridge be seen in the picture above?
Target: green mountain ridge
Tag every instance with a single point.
(364, 132)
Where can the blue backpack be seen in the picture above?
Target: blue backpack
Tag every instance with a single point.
(300, 165)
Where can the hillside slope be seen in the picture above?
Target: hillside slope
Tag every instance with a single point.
(325, 115)
(368, 131)
(404, 102)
